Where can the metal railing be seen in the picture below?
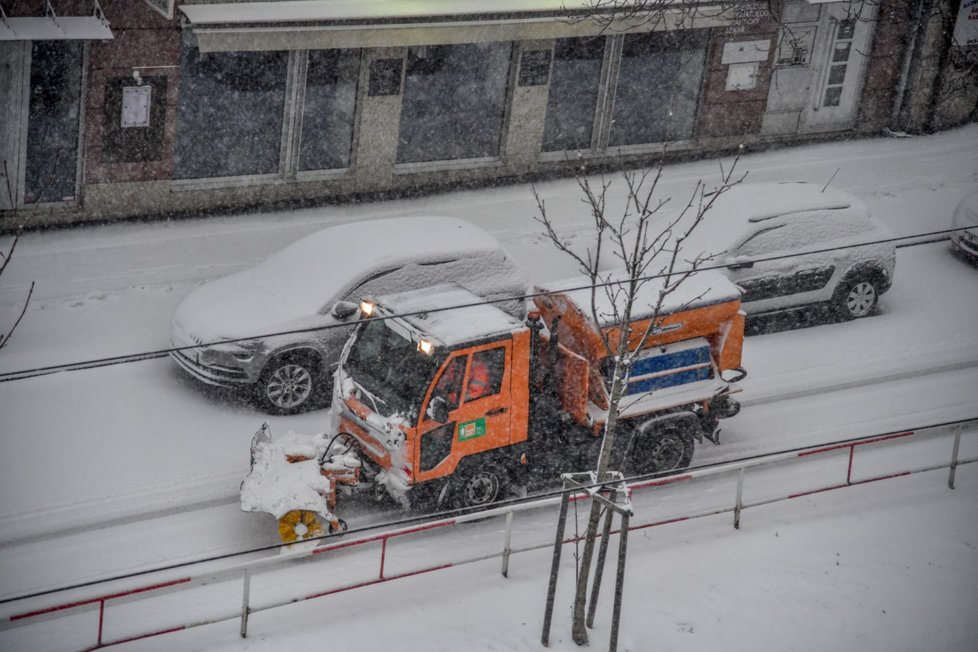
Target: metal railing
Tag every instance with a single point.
(685, 482)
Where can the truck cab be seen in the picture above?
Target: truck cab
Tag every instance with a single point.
(431, 394)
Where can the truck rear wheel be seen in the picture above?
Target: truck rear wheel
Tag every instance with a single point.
(660, 447)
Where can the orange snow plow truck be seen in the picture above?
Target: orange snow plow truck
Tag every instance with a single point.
(440, 406)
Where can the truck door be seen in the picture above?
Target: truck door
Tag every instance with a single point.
(475, 383)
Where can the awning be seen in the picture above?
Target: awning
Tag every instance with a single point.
(51, 27)
(323, 24)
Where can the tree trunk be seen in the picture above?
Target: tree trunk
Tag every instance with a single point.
(579, 630)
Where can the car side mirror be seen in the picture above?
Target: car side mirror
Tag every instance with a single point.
(344, 309)
(438, 409)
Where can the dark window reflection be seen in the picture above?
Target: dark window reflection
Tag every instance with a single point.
(53, 122)
(573, 93)
(328, 109)
(229, 117)
(658, 86)
(453, 103)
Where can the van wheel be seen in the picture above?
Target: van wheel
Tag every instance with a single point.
(856, 298)
(290, 384)
(481, 486)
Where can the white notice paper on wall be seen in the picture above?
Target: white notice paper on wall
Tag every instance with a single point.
(135, 106)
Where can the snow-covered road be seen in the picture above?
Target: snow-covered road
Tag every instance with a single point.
(137, 440)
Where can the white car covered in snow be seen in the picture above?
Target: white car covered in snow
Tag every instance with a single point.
(789, 245)
(278, 328)
(965, 218)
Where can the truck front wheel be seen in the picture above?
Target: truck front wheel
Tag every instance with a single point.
(481, 486)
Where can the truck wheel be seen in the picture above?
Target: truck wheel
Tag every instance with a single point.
(658, 449)
(481, 486)
(290, 384)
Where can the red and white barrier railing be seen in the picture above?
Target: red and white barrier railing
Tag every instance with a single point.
(685, 483)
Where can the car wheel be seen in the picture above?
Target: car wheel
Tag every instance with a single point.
(481, 486)
(857, 298)
(290, 384)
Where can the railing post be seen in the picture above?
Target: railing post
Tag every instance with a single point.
(101, 621)
(599, 569)
(383, 556)
(555, 566)
(507, 540)
(739, 505)
(954, 456)
(245, 603)
(619, 582)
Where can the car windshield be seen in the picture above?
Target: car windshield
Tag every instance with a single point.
(390, 367)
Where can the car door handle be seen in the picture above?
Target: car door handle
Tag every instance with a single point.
(493, 412)
(736, 266)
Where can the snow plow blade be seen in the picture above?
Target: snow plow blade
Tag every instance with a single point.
(289, 480)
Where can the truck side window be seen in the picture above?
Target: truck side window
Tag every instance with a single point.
(486, 374)
(449, 385)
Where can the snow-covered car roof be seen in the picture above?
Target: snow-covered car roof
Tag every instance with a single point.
(322, 266)
(740, 210)
(439, 318)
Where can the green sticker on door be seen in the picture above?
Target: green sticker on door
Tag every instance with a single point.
(472, 429)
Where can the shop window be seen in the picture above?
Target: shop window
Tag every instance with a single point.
(230, 113)
(453, 102)
(328, 109)
(53, 121)
(573, 98)
(658, 87)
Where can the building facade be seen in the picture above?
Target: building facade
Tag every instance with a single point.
(156, 107)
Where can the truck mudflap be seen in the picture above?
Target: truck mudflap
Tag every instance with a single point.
(295, 479)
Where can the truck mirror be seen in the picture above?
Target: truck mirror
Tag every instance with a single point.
(733, 375)
(344, 309)
(438, 409)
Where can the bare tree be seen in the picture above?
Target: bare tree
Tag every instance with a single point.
(646, 241)
(5, 258)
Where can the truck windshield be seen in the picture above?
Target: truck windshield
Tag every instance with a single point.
(391, 368)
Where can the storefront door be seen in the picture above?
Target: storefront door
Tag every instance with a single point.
(839, 62)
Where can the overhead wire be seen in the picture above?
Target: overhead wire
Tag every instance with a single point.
(95, 363)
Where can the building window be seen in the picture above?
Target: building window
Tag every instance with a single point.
(658, 87)
(453, 102)
(230, 112)
(573, 98)
(329, 106)
(54, 116)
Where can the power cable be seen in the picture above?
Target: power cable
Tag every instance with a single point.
(23, 374)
